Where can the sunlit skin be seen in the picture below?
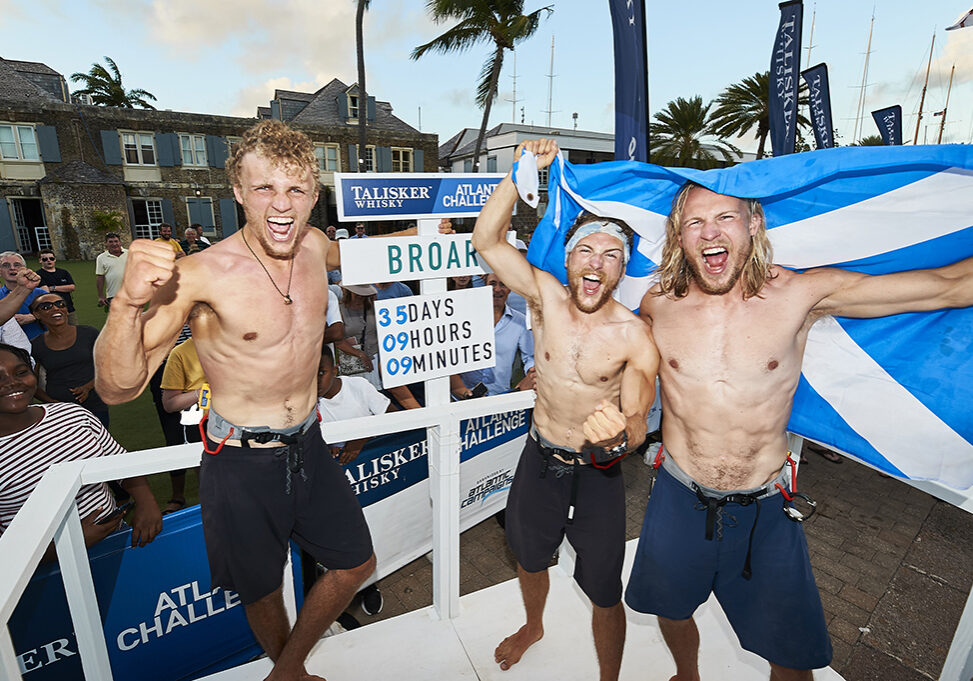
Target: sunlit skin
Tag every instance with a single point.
(716, 236)
(595, 266)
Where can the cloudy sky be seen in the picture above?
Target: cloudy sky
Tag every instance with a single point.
(227, 56)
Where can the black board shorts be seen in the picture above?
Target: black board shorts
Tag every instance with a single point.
(248, 515)
(537, 522)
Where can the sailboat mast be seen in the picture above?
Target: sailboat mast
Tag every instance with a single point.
(861, 93)
(810, 40)
(922, 99)
(942, 123)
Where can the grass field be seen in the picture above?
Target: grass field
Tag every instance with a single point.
(135, 424)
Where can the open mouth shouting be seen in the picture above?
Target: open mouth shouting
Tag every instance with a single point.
(714, 259)
(590, 284)
(280, 228)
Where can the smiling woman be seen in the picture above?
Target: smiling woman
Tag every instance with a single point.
(66, 353)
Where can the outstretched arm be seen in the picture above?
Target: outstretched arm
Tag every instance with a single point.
(490, 232)
(132, 345)
(852, 294)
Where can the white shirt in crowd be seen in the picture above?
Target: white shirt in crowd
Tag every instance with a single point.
(357, 397)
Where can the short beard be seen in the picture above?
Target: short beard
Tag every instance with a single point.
(722, 289)
(574, 286)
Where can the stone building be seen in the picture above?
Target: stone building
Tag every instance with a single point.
(70, 171)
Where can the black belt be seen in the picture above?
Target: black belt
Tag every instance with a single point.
(714, 515)
(292, 445)
(561, 469)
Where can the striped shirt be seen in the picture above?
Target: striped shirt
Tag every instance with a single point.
(66, 432)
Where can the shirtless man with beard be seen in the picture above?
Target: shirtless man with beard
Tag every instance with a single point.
(266, 475)
(595, 371)
(731, 328)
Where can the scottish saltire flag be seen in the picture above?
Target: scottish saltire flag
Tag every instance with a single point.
(896, 391)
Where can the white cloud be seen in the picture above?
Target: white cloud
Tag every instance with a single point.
(959, 51)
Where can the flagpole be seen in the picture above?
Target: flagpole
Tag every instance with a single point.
(861, 93)
(942, 123)
(645, 63)
(922, 98)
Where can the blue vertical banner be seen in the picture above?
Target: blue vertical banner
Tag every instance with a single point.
(819, 98)
(785, 64)
(631, 80)
(889, 122)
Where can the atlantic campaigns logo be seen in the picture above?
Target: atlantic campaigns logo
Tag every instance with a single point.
(487, 486)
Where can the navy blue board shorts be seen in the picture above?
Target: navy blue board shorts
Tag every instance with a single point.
(251, 508)
(537, 521)
(776, 613)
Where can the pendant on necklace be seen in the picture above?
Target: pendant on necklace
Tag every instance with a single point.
(287, 300)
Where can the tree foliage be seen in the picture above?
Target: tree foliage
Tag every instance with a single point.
(500, 22)
(676, 136)
(105, 88)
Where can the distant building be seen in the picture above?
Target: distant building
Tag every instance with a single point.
(66, 167)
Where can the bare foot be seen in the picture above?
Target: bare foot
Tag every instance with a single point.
(512, 648)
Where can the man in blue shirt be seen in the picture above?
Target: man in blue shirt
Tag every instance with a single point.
(510, 329)
(11, 263)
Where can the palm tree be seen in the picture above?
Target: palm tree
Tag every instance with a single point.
(745, 105)
(870, 141)
(362, 93)
(501, 21)
(677, 136)
(105, 89)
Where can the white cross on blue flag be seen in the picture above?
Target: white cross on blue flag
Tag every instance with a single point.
(896, 391)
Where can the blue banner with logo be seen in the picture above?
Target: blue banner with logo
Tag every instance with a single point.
(785, 63)
(162, 619)
(819, 98)
(631, 80)
(411, 196)
(889, 122)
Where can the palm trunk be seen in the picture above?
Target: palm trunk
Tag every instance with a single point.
(362, 93)
(487, 105)
(760, 146)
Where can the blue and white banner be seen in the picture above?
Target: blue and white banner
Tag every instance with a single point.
(631, 80)
(412, 196)
(894, 391)
(819, 98)
(785, 62)
(889, 122)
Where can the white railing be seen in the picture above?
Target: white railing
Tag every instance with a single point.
(51, 514)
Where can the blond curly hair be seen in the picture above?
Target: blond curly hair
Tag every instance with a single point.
(674, 272)
(289, 149)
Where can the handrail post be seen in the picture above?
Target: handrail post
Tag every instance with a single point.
(80, 591)
(444, 489)
(9, 669)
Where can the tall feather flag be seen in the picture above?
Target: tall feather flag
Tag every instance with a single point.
(896, 391)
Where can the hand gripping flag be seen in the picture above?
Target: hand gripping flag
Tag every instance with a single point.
(895, 391)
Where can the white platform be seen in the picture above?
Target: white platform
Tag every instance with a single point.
(416, 646)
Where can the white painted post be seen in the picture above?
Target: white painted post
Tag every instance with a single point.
(80, 591)
(443, 455)
(9, 669)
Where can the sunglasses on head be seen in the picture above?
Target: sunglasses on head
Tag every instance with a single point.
(48, 304)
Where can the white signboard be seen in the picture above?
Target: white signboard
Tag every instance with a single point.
(404, 196)
(406, 258)
(423, 337)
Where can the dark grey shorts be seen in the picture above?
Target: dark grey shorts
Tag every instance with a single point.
(537, 522)
(248, 517)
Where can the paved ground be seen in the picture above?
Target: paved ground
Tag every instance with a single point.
(893, 565)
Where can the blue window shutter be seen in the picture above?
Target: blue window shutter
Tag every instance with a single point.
(47, 141)
(228, 216)
(371, 109)
(8, 242)
(193, 205)
(216, 151)
(342, 101)
(352, 158)
(275, 109)
(167, 149)
(417, 158)
(383, 159)
(111, 145)
(167, 214)
(206, 213)
(131, 217)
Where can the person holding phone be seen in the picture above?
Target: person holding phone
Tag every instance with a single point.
(35, 437)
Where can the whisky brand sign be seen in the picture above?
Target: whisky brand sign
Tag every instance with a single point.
(411, 196)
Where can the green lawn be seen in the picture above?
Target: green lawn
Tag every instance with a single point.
(135, 424)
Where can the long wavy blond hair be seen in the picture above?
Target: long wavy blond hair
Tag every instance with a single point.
(674, 272)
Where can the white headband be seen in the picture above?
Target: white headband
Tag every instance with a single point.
(598, 227)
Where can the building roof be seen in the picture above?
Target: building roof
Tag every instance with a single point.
(449, 147)
(16, 88)
(465, 140)
(79, 172)
(322, 109)
(292, 94)
(31, 67)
